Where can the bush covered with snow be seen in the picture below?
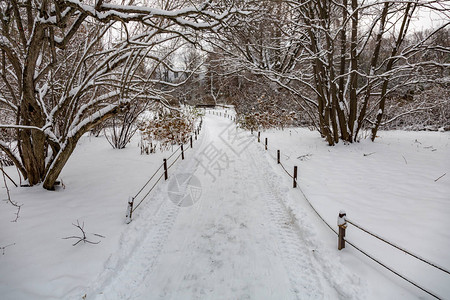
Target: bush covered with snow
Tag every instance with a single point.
(420, 110)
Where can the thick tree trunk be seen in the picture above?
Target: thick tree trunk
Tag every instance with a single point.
(58, 165)
(32, 146)
(61, 158)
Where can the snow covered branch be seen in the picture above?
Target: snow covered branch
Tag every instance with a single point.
(66, 66)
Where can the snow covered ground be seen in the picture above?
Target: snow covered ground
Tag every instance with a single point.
(241, 231)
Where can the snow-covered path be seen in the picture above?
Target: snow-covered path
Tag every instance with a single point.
(249, 234)
(238, 241)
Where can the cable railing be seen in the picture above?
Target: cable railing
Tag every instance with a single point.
(398, 247)
(181, 150)
(343, 224)
(342, 220)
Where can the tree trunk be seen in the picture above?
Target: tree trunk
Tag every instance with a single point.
(389, 66)
(354, 69)
(58, 164)
(373, 65)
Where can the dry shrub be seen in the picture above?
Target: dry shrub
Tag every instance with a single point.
(169, 127)
(266, 113)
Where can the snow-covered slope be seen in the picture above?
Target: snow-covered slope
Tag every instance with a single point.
(244, 233)
(392, 187)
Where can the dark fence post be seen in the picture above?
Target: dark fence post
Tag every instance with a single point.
(182, 152)
(266, 143)
(342, 224)
(295, 176)
(251, 130)
(195, 134)
(278, 156)
(191, 141)
(129, 210)
(165, 169)
(259, 136)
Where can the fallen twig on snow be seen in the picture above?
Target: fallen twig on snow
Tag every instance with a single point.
(368, 154)
(404, 159)
(4, 247)
(83, 238)
(440, 177)
(304, 157)
(430, 147)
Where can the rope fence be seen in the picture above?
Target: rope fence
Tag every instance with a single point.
(398, 247)
(170, 166)
(342, 225)
(343, 221)
(131, 208)
(145, 196)
(145, 185)
(395, 272)
(174, 152)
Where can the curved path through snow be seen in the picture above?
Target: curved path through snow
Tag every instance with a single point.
(238, 241)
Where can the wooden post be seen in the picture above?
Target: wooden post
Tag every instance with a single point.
(165, 170)
(278, 156)
(342, 224)
(266, 144)
(259, 136)
(195, 134)
(129, 210)
(295, 176)
(191, 141)
(182, 152)
(251, 130)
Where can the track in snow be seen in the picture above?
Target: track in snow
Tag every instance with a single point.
(237, 242)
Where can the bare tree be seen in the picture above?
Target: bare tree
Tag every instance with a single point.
(65, 69)
(341, 59)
